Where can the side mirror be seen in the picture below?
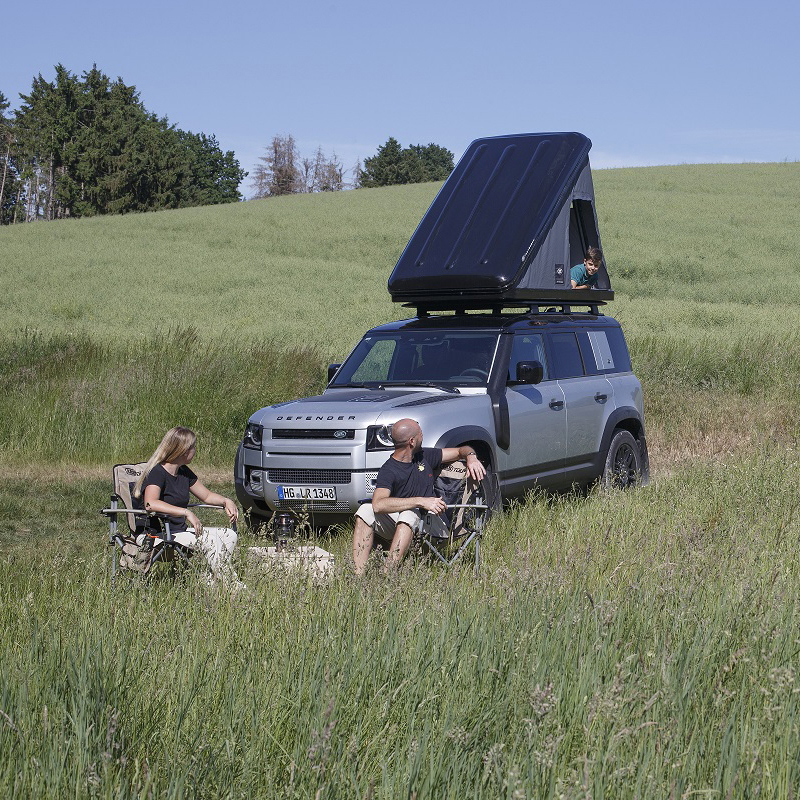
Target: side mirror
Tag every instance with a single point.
(332, 370)
(530, 372)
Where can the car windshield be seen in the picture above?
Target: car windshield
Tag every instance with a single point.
(429, 358)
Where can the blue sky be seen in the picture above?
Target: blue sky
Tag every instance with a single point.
(648, 83)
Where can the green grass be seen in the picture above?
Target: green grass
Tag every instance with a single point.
(71, 399)
(642, 644)
(619, 645)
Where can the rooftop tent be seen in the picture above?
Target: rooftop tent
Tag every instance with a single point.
(515, 214)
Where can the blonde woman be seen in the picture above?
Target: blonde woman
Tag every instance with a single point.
(165, 485)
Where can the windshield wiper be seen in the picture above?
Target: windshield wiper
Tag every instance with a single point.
(429, 384)
(357, 386)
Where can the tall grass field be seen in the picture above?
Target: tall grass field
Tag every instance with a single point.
(640, 644)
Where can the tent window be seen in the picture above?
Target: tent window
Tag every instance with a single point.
(582, 230)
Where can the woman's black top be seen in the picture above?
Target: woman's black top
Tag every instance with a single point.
(174, 490)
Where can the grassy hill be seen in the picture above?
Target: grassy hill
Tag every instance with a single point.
(242, 305)
(700, 249)
(642, 644)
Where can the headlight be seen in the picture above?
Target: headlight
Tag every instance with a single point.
(253, 436)
(379, 437)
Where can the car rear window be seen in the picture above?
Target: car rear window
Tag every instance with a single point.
(604, 351)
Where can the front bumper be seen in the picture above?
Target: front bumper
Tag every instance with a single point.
(349, 469)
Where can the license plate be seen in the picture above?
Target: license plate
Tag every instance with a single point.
(307, 493)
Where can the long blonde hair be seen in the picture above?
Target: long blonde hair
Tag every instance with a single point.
(176, 443)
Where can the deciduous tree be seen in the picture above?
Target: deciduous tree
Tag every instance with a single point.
(277, 172)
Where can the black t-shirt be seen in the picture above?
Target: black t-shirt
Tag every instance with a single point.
(174, 490)
(410, 478)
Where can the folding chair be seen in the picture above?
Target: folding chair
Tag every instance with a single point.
(469, 506)
(142, 542)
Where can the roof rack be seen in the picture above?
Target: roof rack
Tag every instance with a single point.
(563, 304)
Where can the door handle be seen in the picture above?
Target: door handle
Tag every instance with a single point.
(556, 405)
(601, 398)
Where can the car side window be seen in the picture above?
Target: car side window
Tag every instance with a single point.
(567, 362)
(527, 347)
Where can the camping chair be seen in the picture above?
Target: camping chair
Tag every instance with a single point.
(141, 541)
(469, 506)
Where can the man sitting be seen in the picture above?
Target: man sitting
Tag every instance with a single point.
(404, 491)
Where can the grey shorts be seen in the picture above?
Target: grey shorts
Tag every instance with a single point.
(384, 524)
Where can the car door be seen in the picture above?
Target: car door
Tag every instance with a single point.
(588, 398)
(537, 420)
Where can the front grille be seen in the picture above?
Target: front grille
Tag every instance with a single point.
(309, 476)
(313, 505)
(369, 481)
(313, 433)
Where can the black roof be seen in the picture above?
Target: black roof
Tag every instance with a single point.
(502, 226)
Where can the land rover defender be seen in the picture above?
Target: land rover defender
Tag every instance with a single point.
(500, 354)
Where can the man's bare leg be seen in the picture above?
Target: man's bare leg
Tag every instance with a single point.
(403, 536)
(362, 545)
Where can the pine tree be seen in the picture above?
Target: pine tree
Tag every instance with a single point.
(384, 167)
(89, 146)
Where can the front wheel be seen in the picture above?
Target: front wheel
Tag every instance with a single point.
(623, 467)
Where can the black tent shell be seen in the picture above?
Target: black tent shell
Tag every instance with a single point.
(515, 214)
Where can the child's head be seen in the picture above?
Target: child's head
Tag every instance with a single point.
(593, 260)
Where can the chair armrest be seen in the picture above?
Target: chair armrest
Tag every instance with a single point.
(137, 512)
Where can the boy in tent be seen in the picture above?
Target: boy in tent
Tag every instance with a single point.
(584, 276)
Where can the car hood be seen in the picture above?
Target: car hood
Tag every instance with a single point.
(353, 408)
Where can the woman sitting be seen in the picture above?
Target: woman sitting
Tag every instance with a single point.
(165, 485)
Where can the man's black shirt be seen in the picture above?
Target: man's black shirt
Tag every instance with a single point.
(410, 478)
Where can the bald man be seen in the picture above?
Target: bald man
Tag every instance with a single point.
(404, 492)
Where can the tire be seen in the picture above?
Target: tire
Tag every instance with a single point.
(623, 466)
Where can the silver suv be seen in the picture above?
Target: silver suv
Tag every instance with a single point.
(545, 398)
(497, 356)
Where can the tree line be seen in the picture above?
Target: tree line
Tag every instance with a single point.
(282, 170)
(82, 146)
(86, 145)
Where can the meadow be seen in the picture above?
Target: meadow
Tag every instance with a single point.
(616, 645)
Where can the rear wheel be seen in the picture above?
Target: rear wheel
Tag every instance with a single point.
(623, 467)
